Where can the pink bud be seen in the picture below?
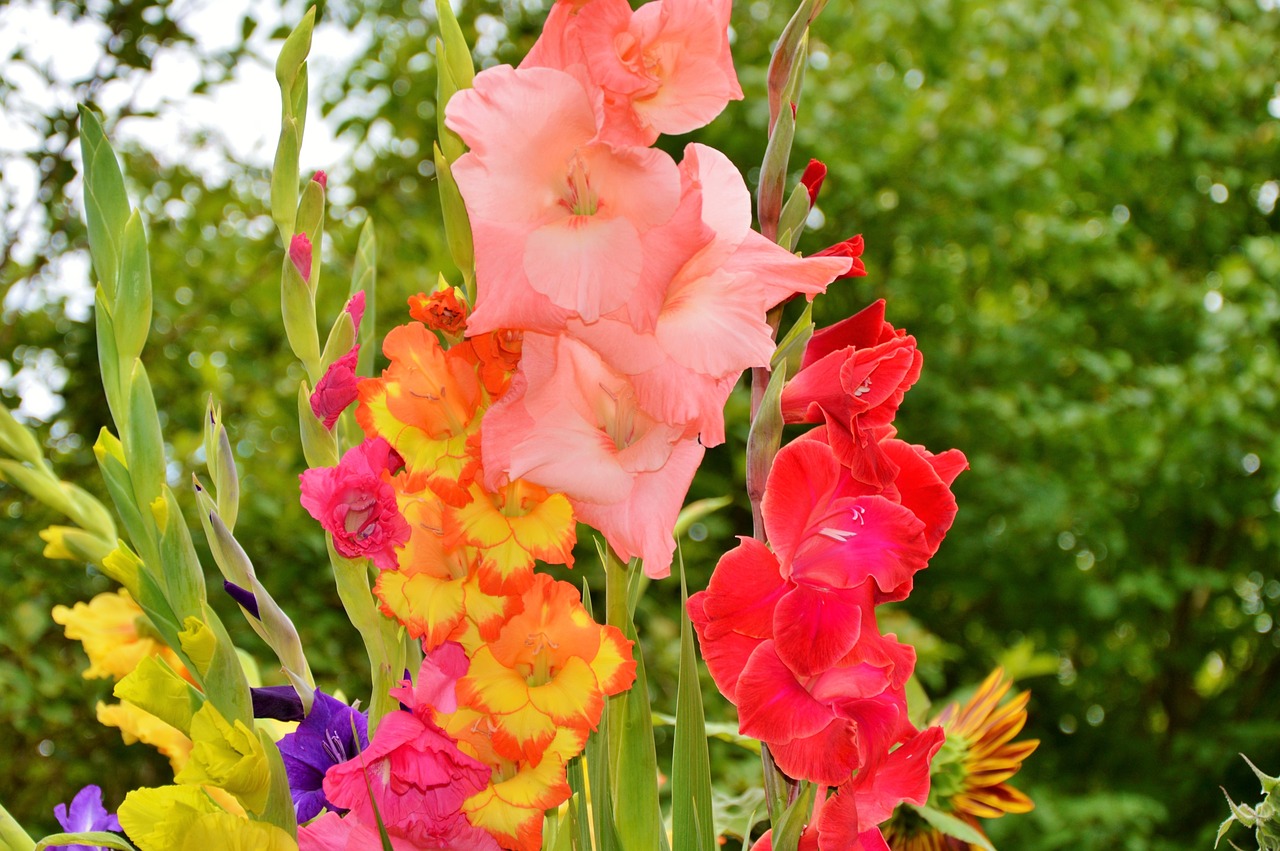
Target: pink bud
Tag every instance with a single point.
(300, 254)
(355, 308)
(814, 173)
(321, 178)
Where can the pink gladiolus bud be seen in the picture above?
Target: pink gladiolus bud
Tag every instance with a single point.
(300, 254)
(355, 309)
(814, 173)
(356, 503)
(336, 391)
(851, 248)
(321, 178)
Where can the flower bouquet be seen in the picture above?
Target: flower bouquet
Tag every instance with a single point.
(608, 298)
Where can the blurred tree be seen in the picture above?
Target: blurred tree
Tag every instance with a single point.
(1072, 206)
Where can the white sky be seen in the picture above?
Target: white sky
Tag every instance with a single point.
(243, 114)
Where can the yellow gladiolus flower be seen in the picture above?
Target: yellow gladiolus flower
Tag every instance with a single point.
(229, 756)
(108, 627)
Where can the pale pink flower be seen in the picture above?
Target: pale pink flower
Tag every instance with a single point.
(709, 321)
(664, 68)
(356, 503)
(573, 425)
(564, 224)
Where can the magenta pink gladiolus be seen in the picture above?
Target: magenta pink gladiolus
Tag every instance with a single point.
(356, 504)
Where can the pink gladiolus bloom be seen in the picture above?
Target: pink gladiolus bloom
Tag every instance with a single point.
(300, 254)
(853, 377)
(336, 390)
(321, 178)
(710, 318)
(418, 776)
(356, 504)
(564, 224)
(355, 307)
(665, 68)
(573, 425)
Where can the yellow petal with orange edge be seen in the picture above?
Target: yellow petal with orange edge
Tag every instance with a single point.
(614, 666)
(487, 611)
(429, 607)
(572, 697)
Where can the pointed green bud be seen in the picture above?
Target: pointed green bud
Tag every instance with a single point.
(72, 544)
(1269, 783)
(132, 310)
(105, 201)
(455, 72)
(457, 225)
(284, 178)
(293, 54)
(143, 440)
(18, 441)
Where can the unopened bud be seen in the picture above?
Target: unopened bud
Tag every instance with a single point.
(300, 255)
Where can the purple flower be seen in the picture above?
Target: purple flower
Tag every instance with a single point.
(332, 733)
(85, 813)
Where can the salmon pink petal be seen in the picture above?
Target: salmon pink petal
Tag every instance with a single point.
(586, 264)
(504, 303)
(781, 273)
(813, 628)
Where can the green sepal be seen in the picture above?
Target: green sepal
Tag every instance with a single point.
(132, 313)
(109, 359)
(119, 481)
(106, 203)
(279, 810)
(221, 462)
(298, 309)
(765, 436)
(156, 688)
(293, 53)
(783, 62)
(143, 440)
(226, 685)
(457, 225)
(773, 173)
(76, 543)
(96, 838)
(455, 72)
(794, 214)
(790, 351)
(952, 826)
(284, 179)
(633, 761)
(342, 336)
(692, 820)
(383, 644)
(788, 827)
(364, 276)
(183, 577)
(310, 220)
(36, 482)
(319, 445)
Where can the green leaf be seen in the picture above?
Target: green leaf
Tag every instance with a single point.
(696, 510)
(106, 204)
(279, 810)
(100, 838)
(692, 821)
(132, 312)
(581, 826)
(725, 731)
(633, 761)
(952, 826)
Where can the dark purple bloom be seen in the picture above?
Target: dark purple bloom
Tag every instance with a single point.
(85, 813)
(243, 596)
(332, 733)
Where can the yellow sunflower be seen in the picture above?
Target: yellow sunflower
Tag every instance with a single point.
(971, 770)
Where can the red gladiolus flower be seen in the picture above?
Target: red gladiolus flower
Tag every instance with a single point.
(814, 173)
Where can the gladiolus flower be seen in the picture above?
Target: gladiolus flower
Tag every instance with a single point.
(428, 406)
(227, 755)
(418, 777)
(853, 377)
(356, 503)
(573, 425)
(564, 225)
(441, 311)
(321, 178)
(107, 626)
(84, 814)
(332, 733)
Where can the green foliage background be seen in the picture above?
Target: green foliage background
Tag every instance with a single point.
(1070, 204)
